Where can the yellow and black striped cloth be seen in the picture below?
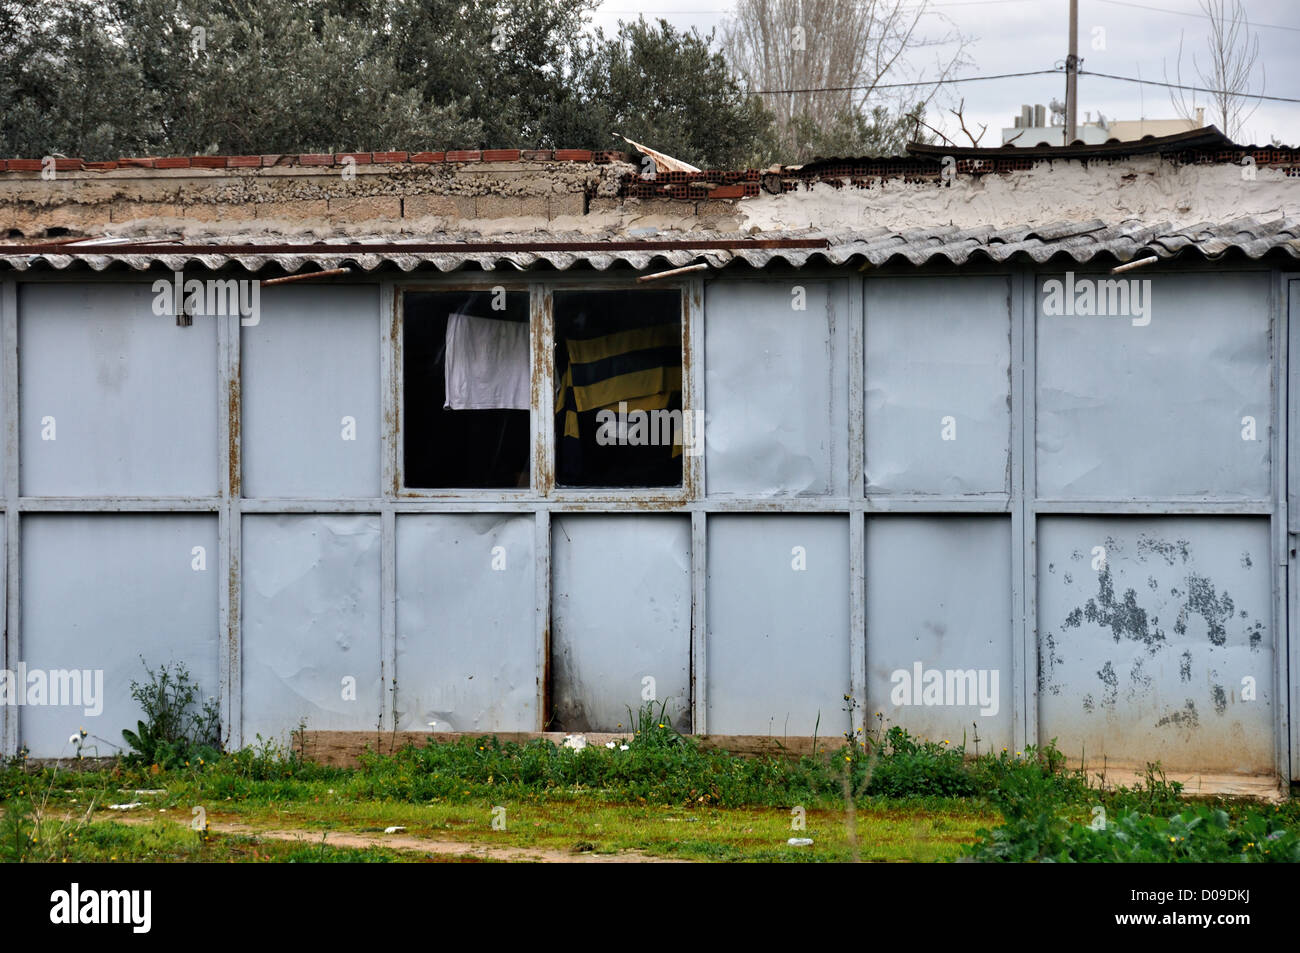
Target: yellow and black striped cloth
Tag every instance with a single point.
(640, 367)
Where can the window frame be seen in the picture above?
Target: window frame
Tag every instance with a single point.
(541, 429)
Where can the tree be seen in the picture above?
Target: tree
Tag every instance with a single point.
(104, 78)
(667, 88)
(859, 132)
(65, 86)
(834, 55)
(1232, 53)
(505, 63)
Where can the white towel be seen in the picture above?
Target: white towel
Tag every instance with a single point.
(486, 364)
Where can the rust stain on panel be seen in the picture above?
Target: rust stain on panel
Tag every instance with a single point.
(392, 410)
(233, 415)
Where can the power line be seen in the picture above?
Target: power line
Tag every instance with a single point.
(933, 82)
(1196, 89)
(1039, 72)
(1185, 13)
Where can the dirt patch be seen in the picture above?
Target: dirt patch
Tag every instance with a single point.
(411, 842)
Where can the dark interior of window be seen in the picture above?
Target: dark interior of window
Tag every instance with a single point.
(618, 370)
(466, 389)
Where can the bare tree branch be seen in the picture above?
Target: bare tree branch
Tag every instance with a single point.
(1233, 52)
(840, 51)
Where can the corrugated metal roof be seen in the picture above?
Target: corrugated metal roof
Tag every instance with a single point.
(1079, 241)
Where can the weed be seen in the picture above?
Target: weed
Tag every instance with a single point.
(176, 729)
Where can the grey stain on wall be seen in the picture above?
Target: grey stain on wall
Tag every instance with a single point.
(1132, 619)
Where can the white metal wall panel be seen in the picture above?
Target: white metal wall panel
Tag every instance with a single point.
(113, 399)
(778, 634)
(1157, 640)
(310, 382)
(939, 625)
(113, 593)
(621, 613)
(776, 387)
(1158, 410)
(311, 624)
(466, 651)
(938, 385)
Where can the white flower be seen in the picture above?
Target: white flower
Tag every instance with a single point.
(622, 747)
(576, 742)
(609, 744)
(74, 738)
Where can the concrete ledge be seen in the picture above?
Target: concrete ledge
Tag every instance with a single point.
(1260, 787)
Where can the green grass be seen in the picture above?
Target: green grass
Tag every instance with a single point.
(666, 796)
(884, 833)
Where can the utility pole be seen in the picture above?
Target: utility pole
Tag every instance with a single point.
(1072, 77)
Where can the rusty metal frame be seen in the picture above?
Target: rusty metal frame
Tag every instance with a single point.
(229, 531)
(1289, 306)
(394, 416)
(12, 649)
(641, 498)
(1284, 646)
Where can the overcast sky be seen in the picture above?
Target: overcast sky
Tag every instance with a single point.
(1141, 39)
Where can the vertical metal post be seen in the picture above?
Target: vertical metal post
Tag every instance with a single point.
(857, 492)
(13, 580)
(1024, 517)
(542, 424)
(229, 524)
(699, 623)
(542, 611)
(542, 366)
(390, 404)
(1285, 455)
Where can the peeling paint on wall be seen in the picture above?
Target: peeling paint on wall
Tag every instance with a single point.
(1141, 187)
(1178, 671)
